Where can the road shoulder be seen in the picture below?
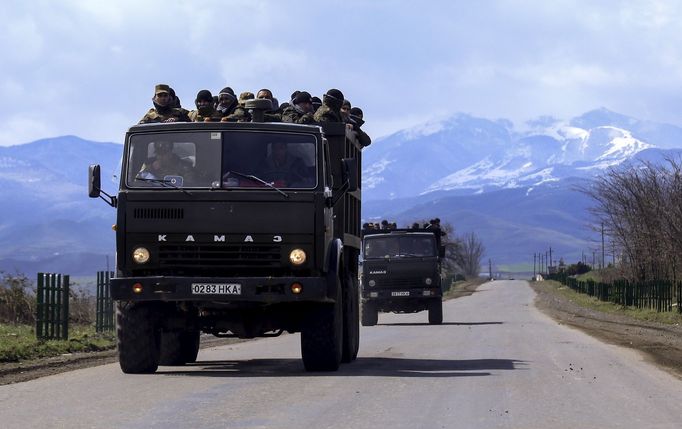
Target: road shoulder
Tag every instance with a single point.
(659, 343)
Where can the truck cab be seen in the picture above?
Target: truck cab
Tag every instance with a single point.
(401, 273)
(236, 230)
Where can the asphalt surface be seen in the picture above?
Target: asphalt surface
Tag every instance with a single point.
(496, 362)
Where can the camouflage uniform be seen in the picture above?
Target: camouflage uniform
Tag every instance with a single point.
(154, 115)
(294, 115)
(162, 113)
(195, 116)
(330, 111)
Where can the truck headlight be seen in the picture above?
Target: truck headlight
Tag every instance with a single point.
(428, 281)
(140, 255)
(297, 257)
(372, 283)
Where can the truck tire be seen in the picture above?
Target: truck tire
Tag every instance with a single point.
(189, 345)
(322, 336)
(138, 339)
(179, 348)
(436, 313)
(351, 320)
(370, 315)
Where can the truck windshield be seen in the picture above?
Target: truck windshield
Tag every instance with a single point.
(407, 246)
(228, 159)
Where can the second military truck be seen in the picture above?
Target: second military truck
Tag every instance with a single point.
(401, 273)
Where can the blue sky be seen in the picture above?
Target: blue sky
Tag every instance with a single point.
(88, 68)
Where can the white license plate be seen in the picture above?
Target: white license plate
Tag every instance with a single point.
(216, 289)
(406, 293)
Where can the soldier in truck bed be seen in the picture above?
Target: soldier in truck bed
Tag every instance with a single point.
(205, 111)
(163, 110)
(356, 116)
(330, 111)
(301, 111)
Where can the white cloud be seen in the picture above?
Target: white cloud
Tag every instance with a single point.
(402, 64)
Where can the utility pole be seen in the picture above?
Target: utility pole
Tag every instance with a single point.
(490, 268)
(603, 259)
(613, 243)
(550, 258)
(534, 265)
(594, 257)
(546, 265)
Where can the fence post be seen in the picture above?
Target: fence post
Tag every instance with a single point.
(65, 307)
(40, 305)
(105, 308)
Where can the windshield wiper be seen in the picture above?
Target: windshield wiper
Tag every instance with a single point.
(163, 182)
(259, 180)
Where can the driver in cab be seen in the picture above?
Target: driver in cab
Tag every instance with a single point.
(285, 170)
(164, 163)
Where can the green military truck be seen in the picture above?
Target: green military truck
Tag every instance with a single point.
(237, 230)
(401, 273)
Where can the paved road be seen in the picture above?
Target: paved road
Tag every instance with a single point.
(496, 362)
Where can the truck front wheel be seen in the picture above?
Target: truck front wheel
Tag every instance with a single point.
(179, 348)
(138, 339)
(436, 313)
(322, 336)
(370, 315)
(351, 320)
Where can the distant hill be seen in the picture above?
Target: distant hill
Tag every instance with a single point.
(48, 221)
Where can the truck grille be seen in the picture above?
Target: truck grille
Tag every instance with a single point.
(158, 213)
(224, 256)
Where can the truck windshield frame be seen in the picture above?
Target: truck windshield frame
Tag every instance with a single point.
(418, 245)
(209, 159)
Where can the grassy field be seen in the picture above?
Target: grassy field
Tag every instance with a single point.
(18, 342)
(668, 317)
(463, 287)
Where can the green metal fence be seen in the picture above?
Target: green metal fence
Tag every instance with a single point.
(660, 295)
(105, 305)
(52, 307)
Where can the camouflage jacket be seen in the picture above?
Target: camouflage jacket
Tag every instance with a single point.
(293, 115)
(327, 114)
(195, 116)
(153, 116)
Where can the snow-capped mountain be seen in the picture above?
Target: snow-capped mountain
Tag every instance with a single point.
(513, 186)
(472, 155)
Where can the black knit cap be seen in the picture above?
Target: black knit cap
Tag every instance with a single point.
(204, 95)
(335, 93)
(356, 111)
(316, 100)
(294, 94)
(346, 103)
(303, 97)
(227, 90)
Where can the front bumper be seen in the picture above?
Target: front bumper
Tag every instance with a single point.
(253, 289)
(390, 294)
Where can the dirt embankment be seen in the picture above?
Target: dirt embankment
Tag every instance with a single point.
(659, 343)
(16, 372)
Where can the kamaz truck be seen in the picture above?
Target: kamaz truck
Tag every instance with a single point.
(237, 230)
(401, 273)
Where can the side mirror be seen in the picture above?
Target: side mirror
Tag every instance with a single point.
(441, 252)
(350, 173)
(94, 181)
